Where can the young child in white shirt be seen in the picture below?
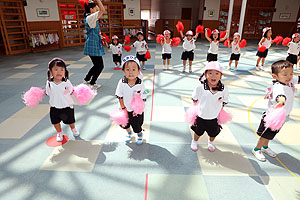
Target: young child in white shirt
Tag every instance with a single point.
(266, 41)
(236, 50)
(210, 96)
(214, 42)
(116, 50)
(141, 48)
(294, 47)
(166, 49)
(129, 86)
(59, 90)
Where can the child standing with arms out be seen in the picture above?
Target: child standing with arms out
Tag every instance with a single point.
(116, 49)
(129, 86)
(141, 48)
(281, 93)
(266, 41)
(210, 96)
(166, 49)
(294, 48)
(236, 51)
(188, 49)
(214, 41)
(59, 89)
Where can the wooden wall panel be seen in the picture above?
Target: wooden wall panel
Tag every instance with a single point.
(285, 29)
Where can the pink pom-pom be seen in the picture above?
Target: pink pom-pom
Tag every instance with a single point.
(148, 55)
(191, 114)
(137, 104)
(127, 48)
(243, 43)
(33, 96)
(208, 32)
(127, 39)
(278, 39)
(224, 117)
(275, 118)
(159, 38)
(199, 29)
(119, 117)
(262, 48)
(286, 41)
(227, 42)
(223, 34)
(179, 26)
(175, 41)
(83, 93)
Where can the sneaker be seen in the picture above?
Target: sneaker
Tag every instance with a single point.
(128, 137)
(269, 152)
(194, 145)
(140, 139)
(75, 133)
(259, 155)
(183, 71)
(59, 137)
(169, 67)
(211, 147)
(229, 68)
(144, 68)
(235, 69)
(257, 68)
(86, 82)
(262, 68)
(95, 86)
(190, 70)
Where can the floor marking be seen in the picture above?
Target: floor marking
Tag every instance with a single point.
(146, 187)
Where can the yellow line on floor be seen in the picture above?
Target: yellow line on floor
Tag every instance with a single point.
(249, 110)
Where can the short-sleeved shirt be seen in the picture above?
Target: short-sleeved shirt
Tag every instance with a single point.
(140, 47)
(116, 49)
(294, 48)
(213, 47)
(126, 92)
(189, 45)
(210, 104)
(267, 43)
(167, 48)
(93, 45)
(278, 89)
(235, 48)
(60, 94)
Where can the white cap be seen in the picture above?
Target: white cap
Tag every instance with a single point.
(130, 58)
(266, 29)
(167, 32)
(215, 31)
(236, 34)
(295, 35)
(115, 37)
(189, 33)
(214, 65)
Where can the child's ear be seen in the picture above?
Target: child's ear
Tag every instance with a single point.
(274, 76)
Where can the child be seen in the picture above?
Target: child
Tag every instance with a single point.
(266, 41)
(281, 93)
(141, 48)
(214, 41)
(116, 48)
(210, 96)
(166, 49)
(293, 50)
(188, 49)
(129, 86)
(236, 52)
(59, 89)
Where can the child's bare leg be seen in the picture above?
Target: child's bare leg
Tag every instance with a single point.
(72, 126)
(212, 139)
(57, 127)
(262, 142)
(116, 63)
(190, 64)
(164, 62)
(73, 129)
(168, 61)
(262, 61)
(229, 64)
(184, 64)
(143, 64)
(236, 64)
(196, 137)
(258, 60)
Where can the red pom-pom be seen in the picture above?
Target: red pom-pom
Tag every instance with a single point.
(227, 42)
(127, 48)
(208, 32)
(127, 39)
(243, 43)
(82, 2)
(148, 55)
(277, 39)
(286, 41)
(106, 38)
(199, 29)
(222, 34)
(159, 38)
(175, 41)
(179, 26)
(262, 48)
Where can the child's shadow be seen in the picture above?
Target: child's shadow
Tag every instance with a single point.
(289, 161)
(234, 161)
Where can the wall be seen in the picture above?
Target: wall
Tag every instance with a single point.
(134, 4)
(145, 4)
(211, 5)
(286, 6)
(32, 5)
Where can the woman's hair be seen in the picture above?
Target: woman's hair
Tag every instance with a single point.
(266, 33)
(212, 36)
(87, 7)
(59, 63)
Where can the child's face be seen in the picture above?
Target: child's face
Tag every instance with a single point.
(284, 76)
(236, 38)
(215, 36)
(213, 77)
(297, 39)
(115, 41)
(167, 36)
(58, 73)
(131, 70)
(140, 37)
(189, 37)
(269, 34)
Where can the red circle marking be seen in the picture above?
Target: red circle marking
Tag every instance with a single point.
(51, 142)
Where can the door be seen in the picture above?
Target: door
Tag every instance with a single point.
(186, 13)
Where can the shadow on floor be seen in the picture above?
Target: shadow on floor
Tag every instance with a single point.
(289, 161)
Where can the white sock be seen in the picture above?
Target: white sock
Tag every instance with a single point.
(74, 130)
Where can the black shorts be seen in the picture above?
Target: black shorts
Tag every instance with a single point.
(262, 54)
(235, 56)
(212, 57)
(117, 58)
(187, 55)
(141, 57)
(211, 126)
(135, 122)
(62, 114)
(166, 56)
(265, 133)
(292, 58)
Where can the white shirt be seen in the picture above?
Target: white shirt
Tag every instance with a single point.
(235, 48)
(166, 48)
(210, 104)
(293, 48)
(288, 91)
(213, 47)
(60, 94)
(116, 49)
(127, 92)
(92, 19)
(188, 45)
(267, 43)
(140, 47)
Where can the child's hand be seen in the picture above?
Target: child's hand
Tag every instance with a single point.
(134, 114)
(279, 105)
(67, 91)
